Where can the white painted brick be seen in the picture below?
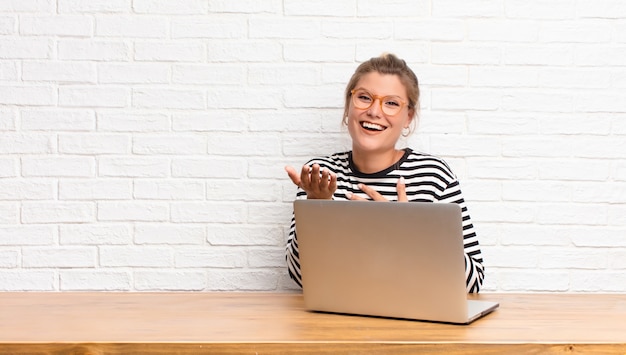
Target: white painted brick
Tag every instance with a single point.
(594, 237)
(169, 189)
(374, 30)
(60, 166)
(27, 235)
(18, 189)
(131, 73)
(58, 212)
(571, 214)
(62, 257)
(170, 144)
(170, 51)
(465, 54)
(210, 120)
(326, 97)
(581, 258)
(90, 96)
(9, 258)
(287, 121)
(211, 27)
(25, 48)
(472, 8)
(94, 144)
(20, 280)
(617, 215)
(554, 54)
(253, 144)
(95, 189)
(59, 25)
(65, 72)
(244, 190)
(208, 74)
(8, 71)
(318, 52)
(9, 213)
(95, 234)
(599, 192)
(594, 281)
(242, 280)
(244, 51)
(575, 31)
(170, 280)
(134, 167)
(541, 101)
(133, 122)
(57, 120)
(534, 146)
(169, 99)
(503, 77)
(7, 25)
(246, 6)
(208, 212)
(443, 123)
(462, 99)
(534, 235)
(544, 191)
(139, 211)
(242, 234)
(230, 98)
(429, 30)
(144, 256)
(607, 102)
(266, 258)
(8, 167)
(95, 6)
(533, 281)
(575, 78)
(90, 280)
(617, 259)
(540, 10)
(598, 55)
(507, 30)
(512, 212)
(288, 28)
(482, 190)
(210, 257)
(169, 234)
(27, 95)
(131, 26)
(500, 123)
(601, 9)
(485, 146)
(264, 212)
(575, 124)
(570, 170)
(326, 8)
(392, 9)
(189, 7)
(93, 50)
(513, 257)
(208, 168)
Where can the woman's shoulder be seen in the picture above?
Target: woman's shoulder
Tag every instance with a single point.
(415, 159)
(334, 160)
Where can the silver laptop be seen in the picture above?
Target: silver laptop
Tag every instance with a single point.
(398, 260)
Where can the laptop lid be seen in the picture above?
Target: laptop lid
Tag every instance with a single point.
(401, 260)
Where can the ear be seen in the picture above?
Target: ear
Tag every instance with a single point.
(410, 117)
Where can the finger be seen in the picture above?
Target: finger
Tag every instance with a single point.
(401, 188)
(315, 176)
(293, 175)
(332, 184)
(375, 195)
(305, 176)
(354, 197)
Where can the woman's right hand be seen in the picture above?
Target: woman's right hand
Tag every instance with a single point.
(316, 184)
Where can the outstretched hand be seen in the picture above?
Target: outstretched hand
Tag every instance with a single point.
(318, 183)
(376, 196)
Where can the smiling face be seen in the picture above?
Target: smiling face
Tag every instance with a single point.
(372, 130)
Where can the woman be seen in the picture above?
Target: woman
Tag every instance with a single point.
(381, 103)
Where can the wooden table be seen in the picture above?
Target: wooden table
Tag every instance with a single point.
(262, 323)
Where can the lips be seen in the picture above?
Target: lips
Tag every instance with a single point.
(372, 126)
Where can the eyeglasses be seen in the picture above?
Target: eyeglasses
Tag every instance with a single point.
(390, 105)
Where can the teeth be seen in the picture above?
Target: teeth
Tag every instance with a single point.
(373, 126)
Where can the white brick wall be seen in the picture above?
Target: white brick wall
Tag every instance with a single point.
(142, 143)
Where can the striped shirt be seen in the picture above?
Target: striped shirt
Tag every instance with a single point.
(427, 179)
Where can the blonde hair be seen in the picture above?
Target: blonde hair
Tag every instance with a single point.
(386, 63)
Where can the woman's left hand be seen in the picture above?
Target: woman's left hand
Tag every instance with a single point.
(376, 196)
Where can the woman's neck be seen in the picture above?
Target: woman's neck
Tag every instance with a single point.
(373, 162)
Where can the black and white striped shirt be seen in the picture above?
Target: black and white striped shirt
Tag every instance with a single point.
(427, 179)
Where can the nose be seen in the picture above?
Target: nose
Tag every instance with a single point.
(376, 109)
